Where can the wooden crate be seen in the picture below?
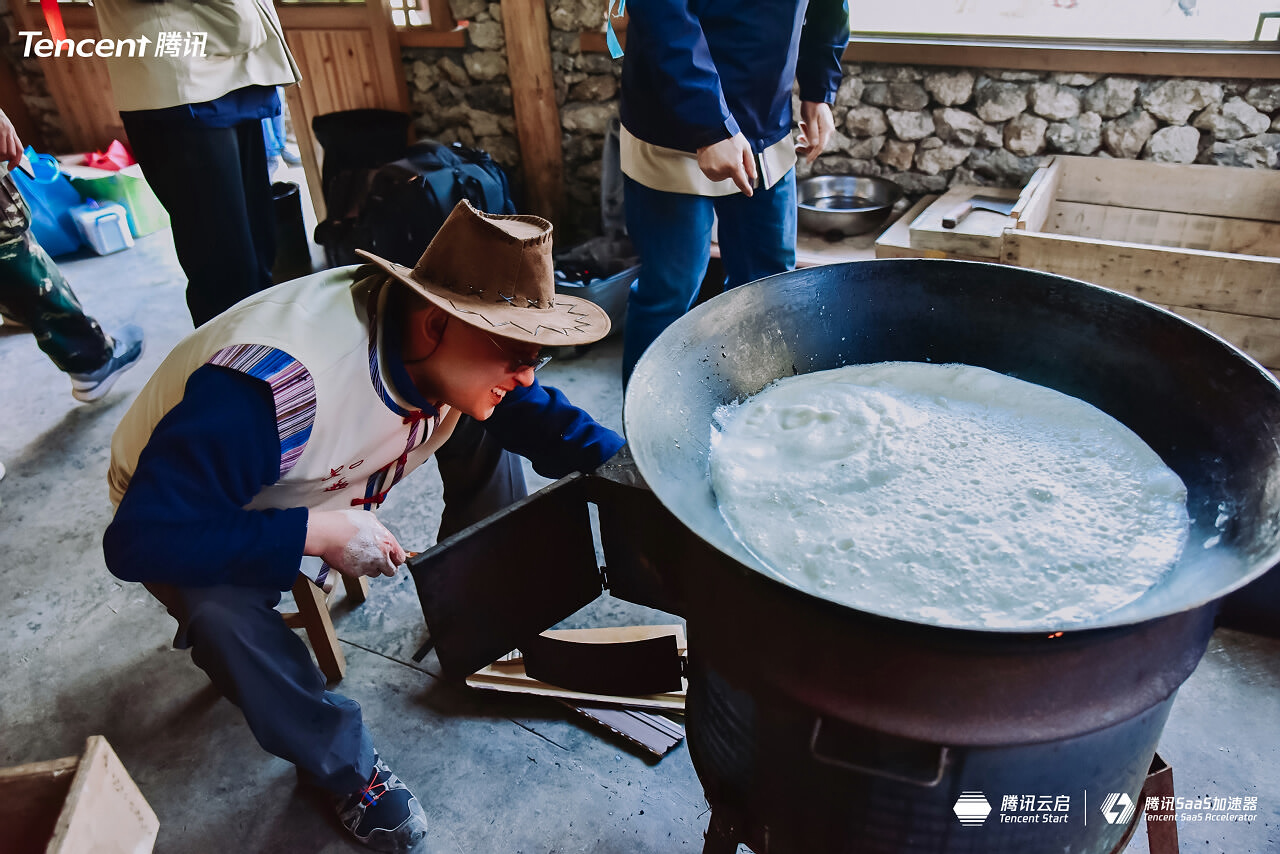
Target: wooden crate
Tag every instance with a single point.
(1203, 241)
(75, 805)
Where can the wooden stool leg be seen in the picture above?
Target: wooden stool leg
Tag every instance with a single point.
(357, 588)
(313, 607)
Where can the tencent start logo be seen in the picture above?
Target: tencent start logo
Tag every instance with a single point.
(972, 809)
(1117, 808)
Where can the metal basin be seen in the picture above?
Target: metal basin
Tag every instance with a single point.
(844, 205)
(1211, 413)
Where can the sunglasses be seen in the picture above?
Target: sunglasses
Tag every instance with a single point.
(516, 364)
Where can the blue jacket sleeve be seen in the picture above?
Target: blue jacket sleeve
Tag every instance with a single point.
(680, 68)
(181, 520)
(823, 39)
(539, 423)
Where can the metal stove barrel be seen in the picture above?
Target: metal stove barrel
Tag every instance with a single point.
(815, 726)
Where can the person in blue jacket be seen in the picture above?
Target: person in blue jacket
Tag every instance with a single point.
(706, 131)
(268, 435)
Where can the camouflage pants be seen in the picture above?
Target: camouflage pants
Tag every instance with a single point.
(34, 293)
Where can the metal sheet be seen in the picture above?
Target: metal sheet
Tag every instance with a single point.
(490, 587)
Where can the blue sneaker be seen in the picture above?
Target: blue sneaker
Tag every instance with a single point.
(384, 815)
(125, 352)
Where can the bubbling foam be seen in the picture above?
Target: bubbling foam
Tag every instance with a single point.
(947, 494)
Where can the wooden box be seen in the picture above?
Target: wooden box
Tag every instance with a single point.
(1203, 241)
(75, 805)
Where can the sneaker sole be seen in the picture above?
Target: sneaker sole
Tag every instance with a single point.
(97, 392)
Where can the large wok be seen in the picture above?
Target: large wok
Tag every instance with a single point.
(1211, 413)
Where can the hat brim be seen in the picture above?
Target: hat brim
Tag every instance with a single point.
(571, 321)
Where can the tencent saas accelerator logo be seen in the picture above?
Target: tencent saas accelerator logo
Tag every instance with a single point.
(1117, 808)
(972, 809)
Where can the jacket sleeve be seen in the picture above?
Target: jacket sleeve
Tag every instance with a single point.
(672, 43)
(822, 42)
(181, 520)
(539, 423)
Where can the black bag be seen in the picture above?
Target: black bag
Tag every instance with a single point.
(408, 200)
(356, 143)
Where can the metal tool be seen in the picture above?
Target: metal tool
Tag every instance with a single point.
(953, 217)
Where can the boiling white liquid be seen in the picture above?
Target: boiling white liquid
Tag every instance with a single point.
(947, 494)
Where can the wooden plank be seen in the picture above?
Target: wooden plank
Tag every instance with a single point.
(31, 798)
(393, 87)
(1028, 192)
(978, 235)
(1175, 187)
(1217, 281)
(1031, 217)
(533, 96)
(895, 242)
(1257, 336)
(105, 813)
(423, 37)
(1161, 228)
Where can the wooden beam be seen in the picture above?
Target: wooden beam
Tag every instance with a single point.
(534, 100)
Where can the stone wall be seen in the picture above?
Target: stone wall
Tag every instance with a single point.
(928, 128)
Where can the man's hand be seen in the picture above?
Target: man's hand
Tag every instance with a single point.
(353, 542)
(729, 158)
(816, 129)
(10, 145)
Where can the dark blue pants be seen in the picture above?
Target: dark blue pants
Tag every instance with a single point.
(238, 638)
(671, 233)
(215, 186)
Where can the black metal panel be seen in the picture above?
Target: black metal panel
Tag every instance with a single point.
(646, 550)
(490, 587)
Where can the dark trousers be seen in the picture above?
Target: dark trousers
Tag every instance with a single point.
(261, 665)
(215, 186)
(34, 293)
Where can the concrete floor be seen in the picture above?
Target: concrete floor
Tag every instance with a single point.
(81, 653)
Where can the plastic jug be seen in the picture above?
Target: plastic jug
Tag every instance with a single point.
(105, 227)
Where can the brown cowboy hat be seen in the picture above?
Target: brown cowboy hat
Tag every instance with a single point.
(494, 272)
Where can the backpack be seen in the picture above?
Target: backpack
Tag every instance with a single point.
(409, 199)
(355, 144)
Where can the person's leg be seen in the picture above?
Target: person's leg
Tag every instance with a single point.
(671, 233)
(198, 174)
(259, 201)
(241, 642)
(480, 477)
(254, 660)
(34, 292)
(757, 235)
